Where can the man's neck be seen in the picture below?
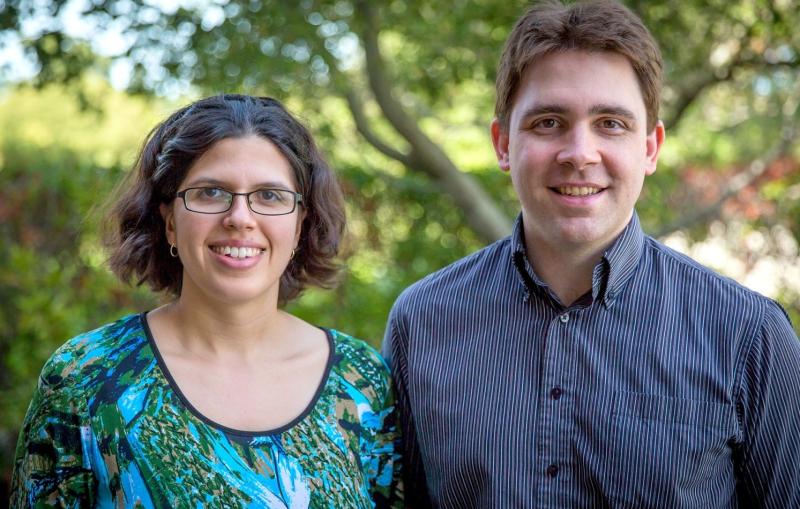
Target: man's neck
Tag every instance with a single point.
(566, 268)
(568, 274)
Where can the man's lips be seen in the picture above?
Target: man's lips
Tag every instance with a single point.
(577, 190)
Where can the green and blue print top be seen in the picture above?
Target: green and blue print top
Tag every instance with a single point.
(108, 427)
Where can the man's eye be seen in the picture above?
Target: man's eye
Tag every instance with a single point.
(612, 124)
(547, 123)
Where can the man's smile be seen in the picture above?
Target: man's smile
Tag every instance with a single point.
(577, 190)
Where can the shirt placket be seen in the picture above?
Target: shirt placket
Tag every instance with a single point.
(556, 403)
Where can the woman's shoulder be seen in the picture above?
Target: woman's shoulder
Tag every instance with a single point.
(360, 365)
(92, 352)
(357, 352)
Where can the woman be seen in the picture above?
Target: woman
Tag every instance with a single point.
(219, 398)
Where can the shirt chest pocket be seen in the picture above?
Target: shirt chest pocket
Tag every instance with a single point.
(670, 452)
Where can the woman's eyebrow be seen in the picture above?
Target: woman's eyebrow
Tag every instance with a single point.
(207, 181)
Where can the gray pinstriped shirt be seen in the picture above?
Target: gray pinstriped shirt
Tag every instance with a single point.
(667, 386)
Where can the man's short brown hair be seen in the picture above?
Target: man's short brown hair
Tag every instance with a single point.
(602, 25)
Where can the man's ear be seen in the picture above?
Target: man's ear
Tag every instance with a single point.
(168, 214)
(655, 140)
(500, 142)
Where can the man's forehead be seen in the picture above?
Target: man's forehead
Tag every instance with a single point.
(579, 82)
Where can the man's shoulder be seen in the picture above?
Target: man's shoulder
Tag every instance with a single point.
(472, 271)
(699, 280)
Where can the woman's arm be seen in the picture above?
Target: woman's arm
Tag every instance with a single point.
(51, 467)
(384, 472)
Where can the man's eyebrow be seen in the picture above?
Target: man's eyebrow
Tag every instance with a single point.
(543, 109)
(598, 109)
(610, 109)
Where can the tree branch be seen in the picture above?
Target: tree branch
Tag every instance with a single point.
(480, 211)
(691, 92)
(362, 126)
(696, 87)
(356, 107)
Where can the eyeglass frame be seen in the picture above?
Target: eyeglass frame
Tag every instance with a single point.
(298, 199)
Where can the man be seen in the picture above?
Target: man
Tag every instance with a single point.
(580, 363)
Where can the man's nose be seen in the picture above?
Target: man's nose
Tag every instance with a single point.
(580, 148)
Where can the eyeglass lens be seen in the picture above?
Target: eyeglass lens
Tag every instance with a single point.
(214, 200)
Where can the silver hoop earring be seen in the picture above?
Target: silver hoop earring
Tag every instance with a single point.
(173, 251)
(291, 257)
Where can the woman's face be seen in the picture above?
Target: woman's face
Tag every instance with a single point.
(237, 256)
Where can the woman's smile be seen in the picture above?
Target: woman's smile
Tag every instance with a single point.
(237, 257)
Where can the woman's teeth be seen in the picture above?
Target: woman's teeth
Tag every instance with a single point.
(237, 252)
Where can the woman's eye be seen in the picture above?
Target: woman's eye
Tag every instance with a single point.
(212, 192)
(266, 195)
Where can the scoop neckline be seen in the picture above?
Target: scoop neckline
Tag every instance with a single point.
(162, 365)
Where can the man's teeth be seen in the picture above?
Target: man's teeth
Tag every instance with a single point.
(237, 252)
(578, 191)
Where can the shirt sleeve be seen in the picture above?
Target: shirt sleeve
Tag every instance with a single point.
(51, 469)
(395, 348)
(385, 477)
(768, 470)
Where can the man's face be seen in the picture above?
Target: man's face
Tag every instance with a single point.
(577, 148)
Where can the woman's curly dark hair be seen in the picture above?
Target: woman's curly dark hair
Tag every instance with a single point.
(135, 231)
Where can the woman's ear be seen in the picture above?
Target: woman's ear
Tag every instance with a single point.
(301, 216)
(168, 214)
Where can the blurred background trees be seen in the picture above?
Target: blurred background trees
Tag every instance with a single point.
(399, 93)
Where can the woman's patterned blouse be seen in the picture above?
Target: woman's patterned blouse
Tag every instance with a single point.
(108, 427)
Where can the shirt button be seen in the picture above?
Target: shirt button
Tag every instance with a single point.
(564, 318)
(555, 392)
(552, 470)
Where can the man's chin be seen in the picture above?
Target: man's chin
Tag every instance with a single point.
(585, 233)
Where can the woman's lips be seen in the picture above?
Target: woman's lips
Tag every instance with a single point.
(239, 252)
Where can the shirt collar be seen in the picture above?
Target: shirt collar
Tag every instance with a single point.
(527, 277)
(618, 264)
(622, 258)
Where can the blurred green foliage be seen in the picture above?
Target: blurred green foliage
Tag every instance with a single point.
(57, 162)
(67, 138)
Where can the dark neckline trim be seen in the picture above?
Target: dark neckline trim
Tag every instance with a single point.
(323, 384)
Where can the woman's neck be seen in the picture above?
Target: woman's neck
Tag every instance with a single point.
(245, 331)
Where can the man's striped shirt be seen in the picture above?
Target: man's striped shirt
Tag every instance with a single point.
(665, 386)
